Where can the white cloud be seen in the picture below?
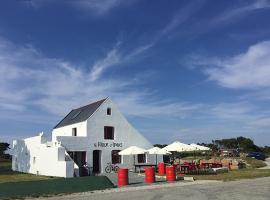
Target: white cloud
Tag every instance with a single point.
(248, 70)
(112, 58)
(100, 7)
(238, 12)
(30, 81)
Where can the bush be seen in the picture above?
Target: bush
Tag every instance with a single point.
(254, 163)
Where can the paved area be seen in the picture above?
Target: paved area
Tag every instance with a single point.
(252, 189)
(135, 179)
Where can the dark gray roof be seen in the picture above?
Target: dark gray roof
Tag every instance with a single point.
(80, 114)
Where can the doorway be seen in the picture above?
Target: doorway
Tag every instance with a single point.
(96, 161)
(79, 157)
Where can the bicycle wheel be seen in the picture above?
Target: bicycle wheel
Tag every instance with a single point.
(116, 169)
(108, 169)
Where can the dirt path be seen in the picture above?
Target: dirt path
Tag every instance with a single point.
(267, 161)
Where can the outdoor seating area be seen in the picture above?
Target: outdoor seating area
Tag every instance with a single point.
(169, 171)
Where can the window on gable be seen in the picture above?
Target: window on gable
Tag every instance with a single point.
(74, 131)
(141, 158)
(116, 158)
(108, 132)
(109, 111)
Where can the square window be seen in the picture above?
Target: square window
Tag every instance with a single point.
(116, 158)
(141, 158)
(108, 132)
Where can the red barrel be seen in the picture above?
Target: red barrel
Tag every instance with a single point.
(161, 168)
(122, 177)
(170, 174)
(149, 175)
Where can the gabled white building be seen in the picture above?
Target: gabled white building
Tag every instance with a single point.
(91, 136)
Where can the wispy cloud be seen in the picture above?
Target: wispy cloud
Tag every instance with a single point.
(116, 57)
(238, 12)
(55, 85)
(248, 70)
(100, 7)
(42, 90)
(112, 58)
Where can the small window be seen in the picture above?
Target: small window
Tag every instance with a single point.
(74, 131)
(34, 160)
(141, 158)
(109, 111)
(108, 132)
(116, 158)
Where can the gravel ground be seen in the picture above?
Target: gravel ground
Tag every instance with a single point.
(257, 189)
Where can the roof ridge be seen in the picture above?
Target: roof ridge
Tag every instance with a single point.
(90, 103)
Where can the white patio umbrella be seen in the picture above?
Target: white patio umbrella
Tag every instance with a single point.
(158, 151)
(132, 150)
(200, 148)
(179, 147)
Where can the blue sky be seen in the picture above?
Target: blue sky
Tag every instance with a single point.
(191, 71)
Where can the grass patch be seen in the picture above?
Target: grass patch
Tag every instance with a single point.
(53, 187)
(7, 175)
(21, 185)
(235, 175)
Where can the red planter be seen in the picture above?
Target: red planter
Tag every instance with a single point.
(161, 169)
(122, 177)
(149, 175)
(170, 174)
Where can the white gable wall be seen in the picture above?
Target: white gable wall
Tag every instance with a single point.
(125, 135)
(91, 136)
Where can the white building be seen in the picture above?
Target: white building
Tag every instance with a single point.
(91, 136)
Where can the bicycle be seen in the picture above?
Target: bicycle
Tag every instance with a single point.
(111, 167)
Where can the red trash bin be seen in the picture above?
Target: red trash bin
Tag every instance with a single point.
(122, 177)
(161, 168)
(149, 175)
(170, 174)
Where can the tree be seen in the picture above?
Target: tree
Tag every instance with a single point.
(160, 145)
(3, 147)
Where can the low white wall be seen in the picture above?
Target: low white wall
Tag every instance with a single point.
(32, 155)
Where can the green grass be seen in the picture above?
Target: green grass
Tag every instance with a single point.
(7, 175)
(21, 185)
(235, 175)
(53, 187)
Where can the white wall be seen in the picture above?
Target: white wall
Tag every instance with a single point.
(90, 136)
(67, 130)
(32, 155)
(125, 135)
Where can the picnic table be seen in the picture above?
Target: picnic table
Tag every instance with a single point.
(211, 165)
(143, 165)
(184, 168)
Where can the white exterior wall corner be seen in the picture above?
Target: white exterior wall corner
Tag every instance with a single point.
(33, 156)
